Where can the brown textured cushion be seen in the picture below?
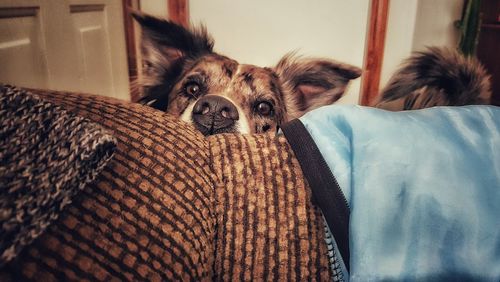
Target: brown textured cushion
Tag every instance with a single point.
(268, 229)
(149, 214)
(174, 205)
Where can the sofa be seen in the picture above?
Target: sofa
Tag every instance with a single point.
(94, 188)
(170, 204)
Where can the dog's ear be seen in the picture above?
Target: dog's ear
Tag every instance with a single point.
(171, 40)
(165, 46)
(312, 83)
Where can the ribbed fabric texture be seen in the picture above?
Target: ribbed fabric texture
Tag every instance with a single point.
(174, 205)
(268, 229)
(148, 216)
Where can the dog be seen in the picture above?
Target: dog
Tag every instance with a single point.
(183, 76)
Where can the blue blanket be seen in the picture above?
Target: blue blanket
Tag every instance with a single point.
(423, 189)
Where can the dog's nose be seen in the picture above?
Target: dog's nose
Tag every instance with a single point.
(214, 113)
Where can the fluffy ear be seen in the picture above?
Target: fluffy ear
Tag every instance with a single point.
(165, 46)
(312, 83)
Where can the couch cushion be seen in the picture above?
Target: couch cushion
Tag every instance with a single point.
(268, 229)
(174, 205)
(148, 215)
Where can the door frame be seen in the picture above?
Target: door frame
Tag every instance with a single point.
(374, 52)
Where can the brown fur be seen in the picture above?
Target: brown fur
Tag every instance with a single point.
(313, 82)
(436, 77)
(176, 59)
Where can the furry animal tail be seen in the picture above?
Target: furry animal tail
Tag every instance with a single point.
(436, 77)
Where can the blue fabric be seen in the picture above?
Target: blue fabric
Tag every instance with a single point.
(423, 188)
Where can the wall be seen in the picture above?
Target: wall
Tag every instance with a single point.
(399, 37)
(260, 32)
(157, 8)
(435, 23)
(415, 24)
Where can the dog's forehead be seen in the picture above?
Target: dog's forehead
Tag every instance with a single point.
(242, 83)
(256, 71)
(215, 64)
(248, 84)
(218, 65)
(258, 80)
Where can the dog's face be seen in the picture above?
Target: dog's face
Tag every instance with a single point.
(219, 95)
(184, 77)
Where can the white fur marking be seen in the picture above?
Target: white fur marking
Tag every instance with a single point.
(187, 115)
(242, 124)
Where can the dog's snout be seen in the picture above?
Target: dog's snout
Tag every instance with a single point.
(214, 113)
(216, 105)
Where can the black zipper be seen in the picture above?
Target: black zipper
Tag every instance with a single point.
(326, 191)
(333, 258)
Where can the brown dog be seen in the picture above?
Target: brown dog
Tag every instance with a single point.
(184, 77)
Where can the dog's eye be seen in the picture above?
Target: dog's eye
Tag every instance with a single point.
(192, 89)
(264, 108)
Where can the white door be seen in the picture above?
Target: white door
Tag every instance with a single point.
(75, 45)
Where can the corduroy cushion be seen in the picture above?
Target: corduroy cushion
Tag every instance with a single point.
(174, 205)
(268, 229)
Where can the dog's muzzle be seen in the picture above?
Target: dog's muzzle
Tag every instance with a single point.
(214, 114)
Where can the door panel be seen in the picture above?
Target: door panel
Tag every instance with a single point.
(21, 47)
(75, 45)
(92, 46)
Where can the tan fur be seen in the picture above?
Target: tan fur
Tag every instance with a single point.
(306, 78)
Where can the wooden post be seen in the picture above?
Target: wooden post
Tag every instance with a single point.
(178, 12)
(130, 42)
(374, 52)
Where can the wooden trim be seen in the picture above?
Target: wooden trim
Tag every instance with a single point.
(374, 54)
(178, 12)
(130, 43)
